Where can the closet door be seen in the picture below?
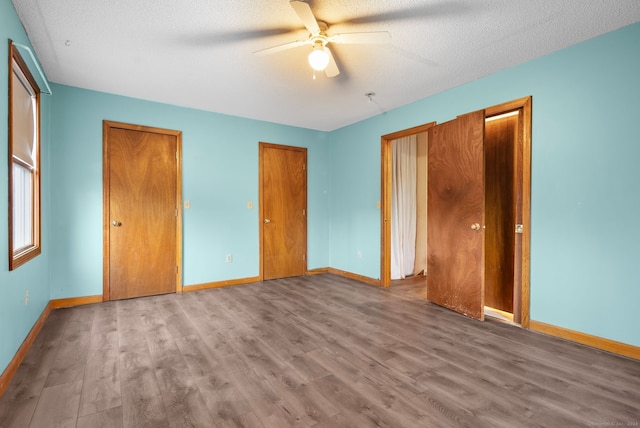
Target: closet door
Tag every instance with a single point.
(283, 208)
(141, 216)
(455, 224)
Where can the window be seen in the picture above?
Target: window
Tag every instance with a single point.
(24, 163)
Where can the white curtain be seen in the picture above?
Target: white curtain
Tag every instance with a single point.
(403, 207)
(420, 265)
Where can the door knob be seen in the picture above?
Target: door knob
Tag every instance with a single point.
(116, 223)
(266, 221)
(475, 226)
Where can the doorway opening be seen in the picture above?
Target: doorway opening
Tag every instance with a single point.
(399, 268)
(408, 207)
(500, 136)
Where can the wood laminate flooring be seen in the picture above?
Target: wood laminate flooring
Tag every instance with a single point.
(317, 351)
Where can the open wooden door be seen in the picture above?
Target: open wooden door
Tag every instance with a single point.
(455, 225)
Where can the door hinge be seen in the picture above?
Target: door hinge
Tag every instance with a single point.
(304, 212)
(519, 228)
(304, 166)
(304, 257)
(177, 270)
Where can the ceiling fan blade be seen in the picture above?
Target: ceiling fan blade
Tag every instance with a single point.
(279, 48)
(306, 15)
(432, 10)
(374, 37)
(213, 38)
(332, 68)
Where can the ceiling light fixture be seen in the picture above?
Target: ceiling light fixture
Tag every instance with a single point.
(319, 57)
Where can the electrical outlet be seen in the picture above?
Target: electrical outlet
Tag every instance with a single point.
(187, 203)
(359, 254)
(229, 258)
(26, 296)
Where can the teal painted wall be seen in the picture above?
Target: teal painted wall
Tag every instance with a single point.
(219, 177)
(585, 180)
(16, 317)
(584, 187)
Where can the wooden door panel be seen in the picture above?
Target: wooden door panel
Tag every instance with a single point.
(283, 206)
(142, 202)
(455, 261)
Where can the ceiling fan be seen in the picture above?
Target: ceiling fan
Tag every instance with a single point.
(321, 57)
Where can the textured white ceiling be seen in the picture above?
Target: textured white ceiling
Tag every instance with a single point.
(199, 53)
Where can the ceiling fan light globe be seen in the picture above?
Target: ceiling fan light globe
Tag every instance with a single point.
(319, 58)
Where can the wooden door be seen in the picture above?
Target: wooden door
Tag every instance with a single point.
(455, 225)
(283, 206)
(141, 196)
